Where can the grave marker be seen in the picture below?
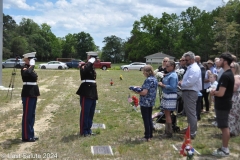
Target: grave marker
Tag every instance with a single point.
(98, 125)
(97, 111)
(103, 150)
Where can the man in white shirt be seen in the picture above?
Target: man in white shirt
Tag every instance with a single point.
(191, 85)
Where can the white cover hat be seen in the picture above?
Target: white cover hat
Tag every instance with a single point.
(29, 55)
(91, 53)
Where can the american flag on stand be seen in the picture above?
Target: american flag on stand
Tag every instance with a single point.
(129, 98)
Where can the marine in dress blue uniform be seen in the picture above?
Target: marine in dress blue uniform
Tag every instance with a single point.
(30, 92)
(88, 94)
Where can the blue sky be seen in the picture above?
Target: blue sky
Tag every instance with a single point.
(99, 18)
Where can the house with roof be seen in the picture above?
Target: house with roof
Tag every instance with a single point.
(157, 58)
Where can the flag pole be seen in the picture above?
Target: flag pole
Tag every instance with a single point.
(1, 41)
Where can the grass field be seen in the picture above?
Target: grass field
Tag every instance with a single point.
(57, 121)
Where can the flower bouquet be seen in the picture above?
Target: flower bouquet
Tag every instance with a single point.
(180, 73)
(211, 88)
(158, 75)
(133, 101)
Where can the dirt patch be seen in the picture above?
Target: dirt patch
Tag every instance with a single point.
(11, 106)
(40, 125)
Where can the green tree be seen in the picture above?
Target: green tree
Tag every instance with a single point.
(142, 41)
(51, 42)
(84, 43)
(68, 46)
(28, 27)
(19, 46)
(226, 29)
(9, 32)
(113, 49)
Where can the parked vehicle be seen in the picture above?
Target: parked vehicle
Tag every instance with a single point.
(73, 63)
(99, 64)
(53, 65)
(135, 65)
(13, 63)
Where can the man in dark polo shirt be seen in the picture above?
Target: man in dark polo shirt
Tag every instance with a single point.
(223, 102)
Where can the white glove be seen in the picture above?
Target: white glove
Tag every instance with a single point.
(32, 62)
(92, 60)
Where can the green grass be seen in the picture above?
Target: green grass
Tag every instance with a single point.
(57, 120)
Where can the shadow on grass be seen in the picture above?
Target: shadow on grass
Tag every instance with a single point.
(70, 138)
(9, 142)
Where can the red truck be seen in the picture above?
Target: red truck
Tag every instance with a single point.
(99, 64)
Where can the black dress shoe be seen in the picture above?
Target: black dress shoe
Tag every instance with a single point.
(86, 135)
(36, 138)
(28, 140)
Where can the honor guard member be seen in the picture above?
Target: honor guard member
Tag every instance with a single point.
(88, 94)
(30, 92)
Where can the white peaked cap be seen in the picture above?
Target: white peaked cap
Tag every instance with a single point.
(92, 53)
(29, 55)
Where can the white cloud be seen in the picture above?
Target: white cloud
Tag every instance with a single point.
(99, 18)
(21, 4)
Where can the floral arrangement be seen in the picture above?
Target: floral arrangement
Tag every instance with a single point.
(189, 152)
(133, 101)
(158, 75)
(180, 73)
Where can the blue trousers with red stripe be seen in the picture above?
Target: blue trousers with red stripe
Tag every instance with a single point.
(28, 118)
(88, 106)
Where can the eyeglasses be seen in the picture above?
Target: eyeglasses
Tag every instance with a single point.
(165, 61)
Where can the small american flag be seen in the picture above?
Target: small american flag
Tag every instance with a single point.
(129, 99)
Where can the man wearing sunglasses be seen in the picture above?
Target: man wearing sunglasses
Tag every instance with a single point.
(191, 85)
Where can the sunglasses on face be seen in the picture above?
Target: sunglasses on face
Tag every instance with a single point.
(164, 61)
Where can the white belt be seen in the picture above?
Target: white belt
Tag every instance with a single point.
(29, 83)
(86, 80)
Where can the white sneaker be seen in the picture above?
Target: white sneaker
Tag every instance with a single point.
(220, 153)
(214, 124)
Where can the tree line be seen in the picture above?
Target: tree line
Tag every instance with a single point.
(207, 34)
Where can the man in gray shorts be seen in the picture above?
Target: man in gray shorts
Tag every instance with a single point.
(223, 102)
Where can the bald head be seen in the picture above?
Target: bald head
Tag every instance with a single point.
(197, 59)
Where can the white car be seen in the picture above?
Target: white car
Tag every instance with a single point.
(53, 65)
(13, 63)
(136, 65)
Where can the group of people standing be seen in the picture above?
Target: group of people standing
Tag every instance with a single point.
(223, 77)
(216, 82)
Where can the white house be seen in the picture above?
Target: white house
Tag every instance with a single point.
(157, 58)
